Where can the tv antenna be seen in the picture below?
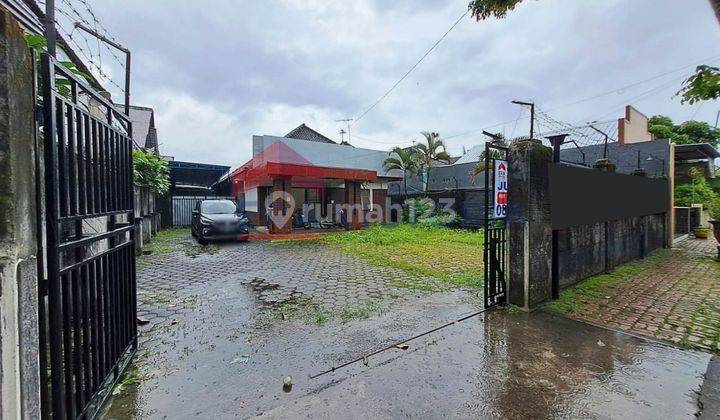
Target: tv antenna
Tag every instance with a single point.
(346, 120)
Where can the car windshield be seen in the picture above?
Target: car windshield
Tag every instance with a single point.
(218, 207)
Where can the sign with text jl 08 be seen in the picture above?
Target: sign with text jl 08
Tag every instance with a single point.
(500, 194)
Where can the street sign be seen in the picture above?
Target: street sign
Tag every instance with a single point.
(500, 191)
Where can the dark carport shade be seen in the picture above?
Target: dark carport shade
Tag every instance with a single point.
(196, 174)
(695, 151)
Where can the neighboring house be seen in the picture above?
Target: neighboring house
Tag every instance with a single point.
(315, 169)
(143, 126)
(633, 129)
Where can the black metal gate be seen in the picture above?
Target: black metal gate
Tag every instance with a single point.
(495, 230)
(87, 288)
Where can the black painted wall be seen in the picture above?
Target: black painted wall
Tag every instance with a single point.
(589, 250)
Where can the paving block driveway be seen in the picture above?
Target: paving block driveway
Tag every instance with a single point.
(221, 340)
(674, 295)
(279, 272)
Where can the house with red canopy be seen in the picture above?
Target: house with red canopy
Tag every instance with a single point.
(315, 171)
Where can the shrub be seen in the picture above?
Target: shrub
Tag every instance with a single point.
(151, 172)
(714, 209)
(698, 191)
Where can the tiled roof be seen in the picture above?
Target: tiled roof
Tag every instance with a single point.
(303, 132)
(143, 121)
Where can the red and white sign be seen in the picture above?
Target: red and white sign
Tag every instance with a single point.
(501, 193)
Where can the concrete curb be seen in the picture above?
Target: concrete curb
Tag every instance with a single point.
(710, 392)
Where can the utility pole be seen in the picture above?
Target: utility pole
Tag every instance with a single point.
(606, 139)
(127, 60)
(50, 32)
(346, 120)
(532, 115)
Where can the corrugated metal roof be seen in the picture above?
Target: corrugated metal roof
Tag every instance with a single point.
(696, 151)
(22, 12)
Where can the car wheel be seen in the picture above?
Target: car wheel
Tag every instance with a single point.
(192, 232)
(201, 240)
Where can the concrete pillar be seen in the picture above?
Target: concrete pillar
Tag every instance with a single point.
(19, 343)
(282, 220)
(354, 205)
(528, 223)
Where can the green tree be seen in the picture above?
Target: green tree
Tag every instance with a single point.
(688, 132)
(483, 9)
(699, 132)
(494, 153)
(433, 150)
(404, 160)
(704, 85)
(661, 120)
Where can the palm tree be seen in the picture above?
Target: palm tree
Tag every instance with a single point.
(498, 140)
(431, 151)
(404, 160)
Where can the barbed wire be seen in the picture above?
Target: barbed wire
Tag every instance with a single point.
(97, 25)
(92, 56)
(585, 146)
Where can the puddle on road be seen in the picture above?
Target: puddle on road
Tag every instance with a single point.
(217, 363)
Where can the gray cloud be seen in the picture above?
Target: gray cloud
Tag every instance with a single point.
(221, 71)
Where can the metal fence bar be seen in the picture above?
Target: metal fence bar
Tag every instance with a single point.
(87, 304)
(183, 206)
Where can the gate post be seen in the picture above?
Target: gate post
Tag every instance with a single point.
(529, 226)
(19, 342)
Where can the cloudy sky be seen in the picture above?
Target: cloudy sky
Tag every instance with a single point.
(218, 72)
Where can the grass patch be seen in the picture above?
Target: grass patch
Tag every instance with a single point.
(167, 241)
(454, 257)
(301, 310)
(600, 286)
(363, 311)
(513, 309)
(171, 240)
(131, 378)
(705, 321)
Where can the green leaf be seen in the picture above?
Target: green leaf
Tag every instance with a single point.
(704, 85)
(151, 172)
(36, 42)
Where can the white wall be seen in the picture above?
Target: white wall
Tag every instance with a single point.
(251, 198)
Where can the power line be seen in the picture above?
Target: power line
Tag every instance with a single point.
(390, 142)
(646, 94)
(596, 96)
(371, 107)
